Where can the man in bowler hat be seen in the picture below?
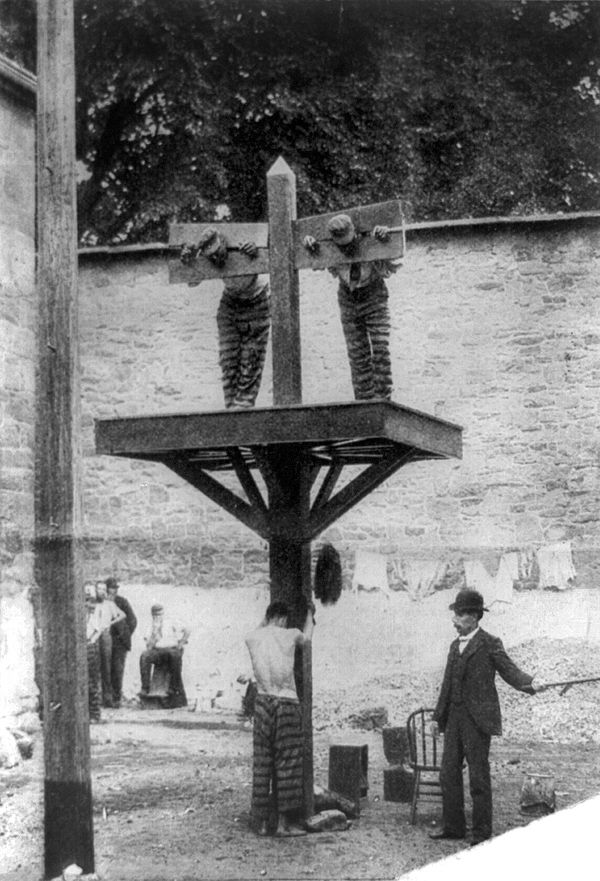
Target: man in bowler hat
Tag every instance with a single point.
(468, 714)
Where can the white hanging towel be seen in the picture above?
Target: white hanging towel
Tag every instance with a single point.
(422, 576)
(370, 572)
(507, 574)
(556, 565)
(478, 578)
(512, 564)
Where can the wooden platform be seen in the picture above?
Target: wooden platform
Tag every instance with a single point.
(288, 446)
(351, 433)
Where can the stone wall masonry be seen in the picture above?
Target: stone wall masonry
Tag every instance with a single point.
(494, 327)
(17, 391)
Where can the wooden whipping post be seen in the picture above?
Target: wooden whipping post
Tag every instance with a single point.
(288, 476)
(68, 826)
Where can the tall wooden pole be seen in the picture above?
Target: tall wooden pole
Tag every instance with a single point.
(285, 331)
(67, 786)
(289, 482)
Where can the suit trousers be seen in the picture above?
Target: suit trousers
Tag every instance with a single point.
(464, 740)
(117, 670)
(105, 646)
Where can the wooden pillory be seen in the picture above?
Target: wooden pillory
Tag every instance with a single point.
(289, 445)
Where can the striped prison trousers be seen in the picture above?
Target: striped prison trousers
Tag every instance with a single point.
(94, 683)
(278, 753)
(243, 327)
(365, 318)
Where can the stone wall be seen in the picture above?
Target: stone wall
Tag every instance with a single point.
(495, 327)
(17, 386)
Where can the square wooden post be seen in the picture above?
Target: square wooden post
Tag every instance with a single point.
(287, 372)
(67, 787)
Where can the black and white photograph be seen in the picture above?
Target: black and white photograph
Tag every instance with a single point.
(299, 440)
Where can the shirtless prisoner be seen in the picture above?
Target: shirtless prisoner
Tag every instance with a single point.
(278, 743)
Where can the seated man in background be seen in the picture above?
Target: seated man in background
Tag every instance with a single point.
(164, 645)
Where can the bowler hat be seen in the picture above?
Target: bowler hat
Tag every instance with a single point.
(156, 609)
(341, 229)
(467, 601)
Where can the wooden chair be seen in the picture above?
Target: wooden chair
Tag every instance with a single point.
(424, 757)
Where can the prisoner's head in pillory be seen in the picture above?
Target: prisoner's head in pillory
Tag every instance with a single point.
(213, 245)
(343, 233)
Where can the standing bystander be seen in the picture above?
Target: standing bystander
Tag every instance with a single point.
(93, 654)
(120, 632)
(107, 614)
(468, 714)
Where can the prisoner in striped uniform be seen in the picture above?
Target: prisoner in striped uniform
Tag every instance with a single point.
(93, 655)
(278, 742)
(243, 322)
(364, 310)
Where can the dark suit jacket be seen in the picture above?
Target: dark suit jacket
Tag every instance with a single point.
(121, 631)
(483, 657)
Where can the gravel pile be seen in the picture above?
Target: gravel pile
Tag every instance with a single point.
(571, 718)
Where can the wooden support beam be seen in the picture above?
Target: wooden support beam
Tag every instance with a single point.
(68, 829)
(246, 479)
(285, 302)
(354, 492)
(313, 470)
(328, 485)
(250, 516)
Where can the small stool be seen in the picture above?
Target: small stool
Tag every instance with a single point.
(160, 695)
(348, 771)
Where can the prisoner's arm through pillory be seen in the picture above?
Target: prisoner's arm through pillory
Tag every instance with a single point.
(381, 233)
(250, 249)
(311, 244)
(188, 254)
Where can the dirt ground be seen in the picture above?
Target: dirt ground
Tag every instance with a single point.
(171, 802)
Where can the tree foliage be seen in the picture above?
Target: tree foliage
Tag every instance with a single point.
(460, 109)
